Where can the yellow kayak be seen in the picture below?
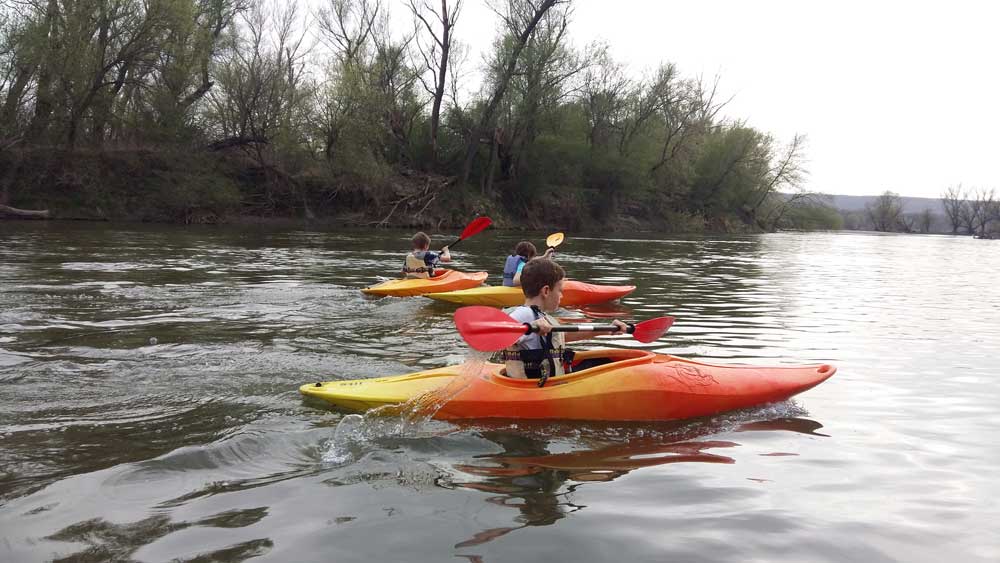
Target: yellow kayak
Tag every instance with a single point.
(574, 294)
(445, 280)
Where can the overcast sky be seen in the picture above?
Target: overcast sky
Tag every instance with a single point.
(891, 95)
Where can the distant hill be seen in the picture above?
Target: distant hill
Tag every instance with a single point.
(910, 204)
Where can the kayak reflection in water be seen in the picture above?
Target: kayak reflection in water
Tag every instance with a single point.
(529, 478)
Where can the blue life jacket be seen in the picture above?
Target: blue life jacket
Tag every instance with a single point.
(510, 268)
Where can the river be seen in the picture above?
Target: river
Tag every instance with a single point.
(149, 405)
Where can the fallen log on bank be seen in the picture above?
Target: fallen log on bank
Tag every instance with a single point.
(25, 213)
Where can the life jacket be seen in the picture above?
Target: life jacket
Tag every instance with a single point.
(548, 361)
(510, 268)
(415, 265)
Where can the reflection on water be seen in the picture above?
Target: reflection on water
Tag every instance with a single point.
(148, 404)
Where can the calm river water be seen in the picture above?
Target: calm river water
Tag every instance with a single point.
(196, 446)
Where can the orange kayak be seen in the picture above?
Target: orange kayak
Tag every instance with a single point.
(632, 385)
(575, 293)
(446, 280)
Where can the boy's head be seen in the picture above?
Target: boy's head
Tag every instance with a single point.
(526, 249)
(539, 274)
(421, 241)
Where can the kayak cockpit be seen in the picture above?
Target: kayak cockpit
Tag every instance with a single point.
(586, 364)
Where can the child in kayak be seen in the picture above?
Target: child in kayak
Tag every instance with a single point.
(420, 263)
(541, 354)
(523, 252)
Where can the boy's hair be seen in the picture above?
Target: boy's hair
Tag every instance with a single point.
(526, 249)
(539, 273)
(421, 241)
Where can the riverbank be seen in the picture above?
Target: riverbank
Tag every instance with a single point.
(216, 187)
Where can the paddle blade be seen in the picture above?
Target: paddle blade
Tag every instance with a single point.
(651, 330)
(478, 225)
(487, 329)
(554, 240)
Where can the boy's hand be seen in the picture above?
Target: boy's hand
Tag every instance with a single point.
(622, 327)
(543, 326)
(549, 252)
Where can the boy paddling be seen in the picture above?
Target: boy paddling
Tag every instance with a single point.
(420, 263)
(541, 354)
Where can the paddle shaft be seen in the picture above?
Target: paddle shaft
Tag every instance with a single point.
(528, 329)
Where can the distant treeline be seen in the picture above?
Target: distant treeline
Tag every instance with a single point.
(199, 110)
(963, 211)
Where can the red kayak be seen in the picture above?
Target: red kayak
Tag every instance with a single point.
(575, 294)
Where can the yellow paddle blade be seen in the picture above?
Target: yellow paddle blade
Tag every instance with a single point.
(554, 240)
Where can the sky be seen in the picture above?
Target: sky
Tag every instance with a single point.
(891, 95)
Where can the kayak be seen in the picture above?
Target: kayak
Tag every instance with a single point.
(445, 280)
(574, 294)
(632, 385)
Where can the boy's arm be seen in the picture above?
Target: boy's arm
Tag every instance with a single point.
(445, 255)
(517, 276)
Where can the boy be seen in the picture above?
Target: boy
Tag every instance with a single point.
(421, 262)
(541, 354)
(523, 252)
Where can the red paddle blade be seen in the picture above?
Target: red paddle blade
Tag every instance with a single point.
(478, 225)
(487, 329)
(651, 330)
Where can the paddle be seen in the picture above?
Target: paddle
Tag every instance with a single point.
(554, 240)
(476, 226)
(487, 329)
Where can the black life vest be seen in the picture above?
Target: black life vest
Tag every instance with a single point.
(548, 361)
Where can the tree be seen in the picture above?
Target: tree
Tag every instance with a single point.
(184, 62)
(981, 210)
(687, 112)
(520, 19)
(436, 55)
(886, 212)
(781, 184)
(536, 92)
(954, 202)
(603, 93)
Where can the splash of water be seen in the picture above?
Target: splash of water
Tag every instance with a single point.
(357, 433)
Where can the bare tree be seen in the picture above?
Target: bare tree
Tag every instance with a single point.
(981, 209)
(954, 201)
(435, 54)
(347, 27)
(262, 80)
(886, 212)
(688, 111)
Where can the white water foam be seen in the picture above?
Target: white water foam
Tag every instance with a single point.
(356, 434)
